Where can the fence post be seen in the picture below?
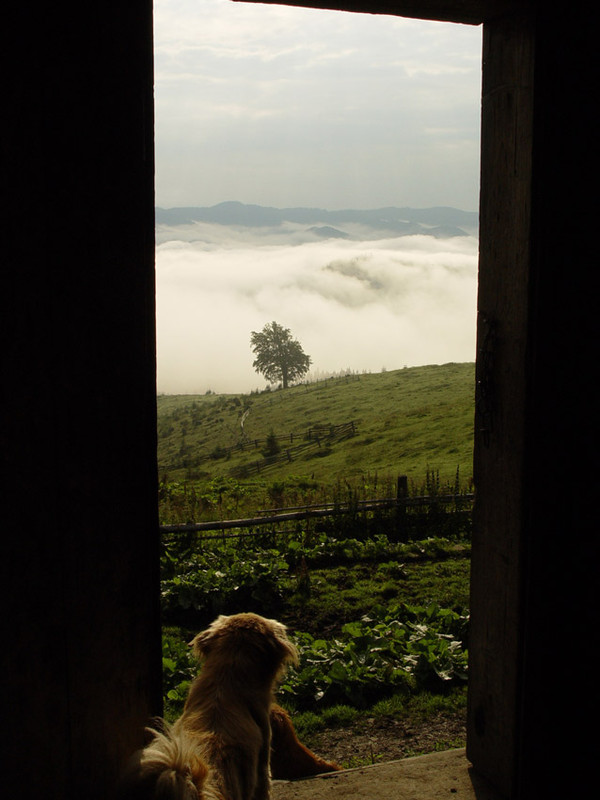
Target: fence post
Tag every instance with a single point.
(401, 495)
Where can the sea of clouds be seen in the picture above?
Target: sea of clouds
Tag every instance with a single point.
(362, 304)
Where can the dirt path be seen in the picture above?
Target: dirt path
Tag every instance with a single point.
(371, 741)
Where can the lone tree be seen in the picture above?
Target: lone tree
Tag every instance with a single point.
(278, 356)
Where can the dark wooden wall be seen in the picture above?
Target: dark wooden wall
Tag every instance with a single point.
(561, 554)
(81, 637)
(535, 545)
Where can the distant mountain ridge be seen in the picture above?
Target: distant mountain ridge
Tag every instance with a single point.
(439, 221)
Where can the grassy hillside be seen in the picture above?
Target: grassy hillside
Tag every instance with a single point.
(406, 422)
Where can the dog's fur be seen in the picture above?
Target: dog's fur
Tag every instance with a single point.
(219, 749)
(290, 759)
(170, 767)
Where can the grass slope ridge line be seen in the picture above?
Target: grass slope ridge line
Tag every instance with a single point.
(407, 421)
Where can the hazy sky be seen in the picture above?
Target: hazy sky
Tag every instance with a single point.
(296, 107)
(284, 106)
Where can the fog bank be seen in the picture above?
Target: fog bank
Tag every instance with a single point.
(359, 305)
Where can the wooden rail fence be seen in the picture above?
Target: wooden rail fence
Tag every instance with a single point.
(277, 516)
(313, 436)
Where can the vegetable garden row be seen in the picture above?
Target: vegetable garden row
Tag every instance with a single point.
(393, 647)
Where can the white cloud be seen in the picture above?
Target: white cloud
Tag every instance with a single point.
(357, 305)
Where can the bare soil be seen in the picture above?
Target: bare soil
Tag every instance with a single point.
(372, 741)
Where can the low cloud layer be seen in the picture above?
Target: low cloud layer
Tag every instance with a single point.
(353, 305)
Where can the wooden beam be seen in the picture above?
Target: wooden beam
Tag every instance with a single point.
(471, 12)
(81, 649)
(501, 400)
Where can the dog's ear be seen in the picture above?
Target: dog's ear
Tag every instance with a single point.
(200, 644)
(203, 643)
(287, 651)
(290, 654)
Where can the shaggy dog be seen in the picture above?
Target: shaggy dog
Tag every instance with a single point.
(219, 749)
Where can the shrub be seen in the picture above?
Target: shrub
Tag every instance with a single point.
(407, 648)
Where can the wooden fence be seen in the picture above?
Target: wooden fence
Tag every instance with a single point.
(400, 503)
(317, 435)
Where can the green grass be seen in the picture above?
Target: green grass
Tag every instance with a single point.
(347, 592)
(407, 421)
(399, 706)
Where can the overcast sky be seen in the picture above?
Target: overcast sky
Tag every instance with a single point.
(294, 107)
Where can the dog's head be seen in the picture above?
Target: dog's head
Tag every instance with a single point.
(246, 641)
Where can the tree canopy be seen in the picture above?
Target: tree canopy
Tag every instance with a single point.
(279, 357)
